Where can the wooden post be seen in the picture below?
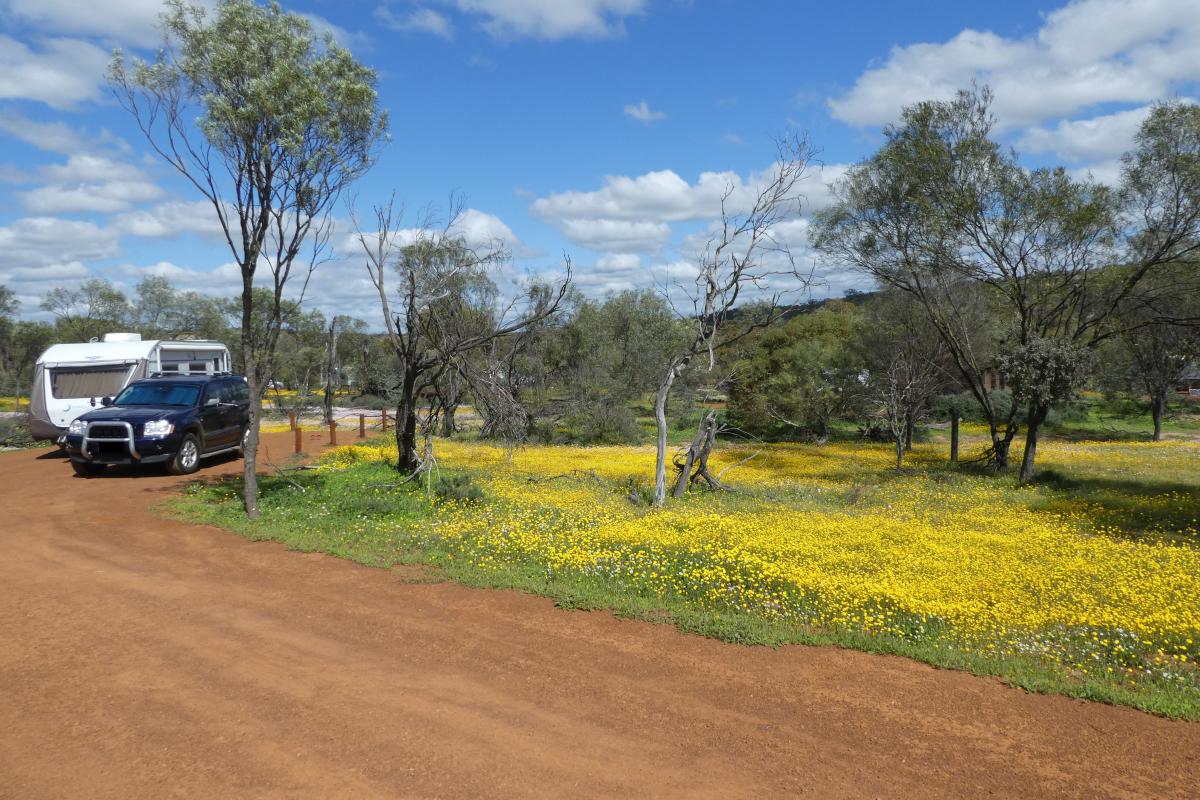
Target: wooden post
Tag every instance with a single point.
(362, 426)
(292, 419)
(332, 432)
(954, 438)
(299, 441)
(385, 420)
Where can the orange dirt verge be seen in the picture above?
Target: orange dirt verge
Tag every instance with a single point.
(145, 658)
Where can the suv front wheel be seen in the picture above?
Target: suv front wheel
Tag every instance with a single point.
(187, 457)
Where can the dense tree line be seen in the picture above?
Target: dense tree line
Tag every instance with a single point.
(1000, 290)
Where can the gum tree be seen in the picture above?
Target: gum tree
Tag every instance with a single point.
(443, 307)
(269, 123)
(945, 214)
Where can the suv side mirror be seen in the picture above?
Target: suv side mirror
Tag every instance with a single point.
(106, 401)
(212, 401)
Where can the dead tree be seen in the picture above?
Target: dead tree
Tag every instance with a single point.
(446, 308)
(330, 367)
(743, 255)
(696, 455)
(898, 392)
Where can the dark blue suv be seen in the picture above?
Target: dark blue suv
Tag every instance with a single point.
(173, 419)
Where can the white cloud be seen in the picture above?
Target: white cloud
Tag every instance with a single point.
(617, 235)
(63, 73)
(630, 215)
(480, 230)
(643, 113)
(661, 195)
(49, 274)
(42, 241)
(53, 137)
(90, 182)
(323, 27)
(170, 219)
(1103, 137)
(1086, 54)
(224, 280)
(732, 138)
(101, 198)
(618, 262)
(41, 253)
(420, 20)
(125, 21)
(483, 231)
(552, 19)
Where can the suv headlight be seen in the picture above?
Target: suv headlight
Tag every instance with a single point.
(157, 427)
(77, 427)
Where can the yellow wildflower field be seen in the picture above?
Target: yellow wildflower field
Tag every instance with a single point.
(1101, 578)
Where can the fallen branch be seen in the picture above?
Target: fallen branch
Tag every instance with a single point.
(753, 455)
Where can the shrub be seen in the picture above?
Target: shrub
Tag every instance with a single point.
(604, 422)
(457, 487)
(373, 402)
(14, 432)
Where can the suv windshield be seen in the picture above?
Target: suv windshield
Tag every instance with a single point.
(158, 394)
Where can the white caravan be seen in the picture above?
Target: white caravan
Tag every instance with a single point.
(70, 379)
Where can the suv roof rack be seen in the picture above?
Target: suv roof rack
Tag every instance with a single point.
(189, 374)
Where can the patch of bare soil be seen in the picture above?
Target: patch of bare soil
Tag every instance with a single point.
(141, 657)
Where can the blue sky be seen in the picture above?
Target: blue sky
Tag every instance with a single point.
(605, 129)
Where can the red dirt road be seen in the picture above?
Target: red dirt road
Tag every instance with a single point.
(144, 658)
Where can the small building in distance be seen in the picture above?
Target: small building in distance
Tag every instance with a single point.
(1189, 381)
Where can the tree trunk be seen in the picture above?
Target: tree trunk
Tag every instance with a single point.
(908, 433)
(660, 421)
(702, 459)
(448, 426)
(899, 452)
(954, 438)
(697, 454)
(255, 385)
(407, 460)
(1158, 407)
(1037, 416)
(1001, 445)
(330, 357)
(250, 453)
(1000, 453)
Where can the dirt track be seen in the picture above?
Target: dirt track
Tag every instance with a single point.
(143, 658)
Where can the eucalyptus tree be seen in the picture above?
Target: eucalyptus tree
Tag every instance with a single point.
(1160, 190)
(269, 123)
(1156, 345)
(160, 311)
(906, 362)
(9, 304)
(802, 375)
(946, 214)
(445, 307)
(90, 310)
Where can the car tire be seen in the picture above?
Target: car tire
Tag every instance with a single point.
(87, 469)
(187, 458)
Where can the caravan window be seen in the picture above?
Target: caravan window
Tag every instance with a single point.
(76, 382)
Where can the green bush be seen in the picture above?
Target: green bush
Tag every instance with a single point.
(373, 402)
(457, 487)
(14, 432)
(603, 422)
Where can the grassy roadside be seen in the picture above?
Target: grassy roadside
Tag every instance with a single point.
(529, 530)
